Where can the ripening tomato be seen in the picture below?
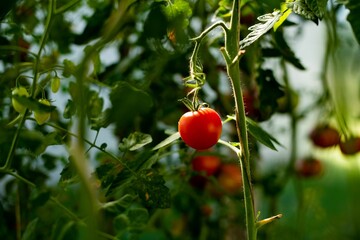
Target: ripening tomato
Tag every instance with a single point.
(230, 178)
(200, 129)
(309, 167)
(20, 91)
(350, 146)
(325, 136)
(207, 164)
(42, 117)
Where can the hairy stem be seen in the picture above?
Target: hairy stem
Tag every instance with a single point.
(232, 49)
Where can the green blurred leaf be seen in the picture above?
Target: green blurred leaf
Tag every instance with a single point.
(40, 198)
(128, 103)
(269, 91)
(134, 141)
(68, 175)
(138, 216)
(121, 222)
(285, 50)
(70, 109)
(29, 233)
(69, 68)
(353, 17)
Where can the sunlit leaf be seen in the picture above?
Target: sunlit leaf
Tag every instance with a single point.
(135, 141)
(167, 141)
(29, 233)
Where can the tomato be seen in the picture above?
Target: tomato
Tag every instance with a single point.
(309, 167)
(325, 136)
(230, 178)
(40, 116)
(20, 91)
(200, 129)
(207, 164)
(350, 146)
(55, 84)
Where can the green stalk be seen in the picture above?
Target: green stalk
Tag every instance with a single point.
(231, 53)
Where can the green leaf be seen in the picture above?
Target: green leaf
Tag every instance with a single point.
(30, 230)
(68, 175)
(167, 141)
(302, 8)
(40, 198)
(285, 12)
(135, 141)
(267, 21)
(269, 91)
(138, 216)
(70, 109)
(121, 222)
(287, 53)
(69, 68)
(128, 103)
(318, 7)
(119, 205)
(107, 172)
(261, 135)
(353, 17)
(151, 189)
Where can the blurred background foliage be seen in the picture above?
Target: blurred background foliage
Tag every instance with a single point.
(295, 79)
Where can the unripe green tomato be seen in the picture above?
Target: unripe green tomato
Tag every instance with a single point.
(40, 116)
(20, 91)
(55, 84)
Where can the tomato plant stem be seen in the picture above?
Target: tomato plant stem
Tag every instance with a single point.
(231, 53)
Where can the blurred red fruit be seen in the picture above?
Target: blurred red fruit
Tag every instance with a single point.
(207, 164)
(350, 146)
(325, 136)
(229, 178)
(309, 167)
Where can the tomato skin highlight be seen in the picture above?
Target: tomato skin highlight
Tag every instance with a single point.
(200, 129)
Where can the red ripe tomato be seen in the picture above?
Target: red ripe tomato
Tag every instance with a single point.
(207, 164)
(309, 167)
(350, 146)
(200, 129)
(325, 136)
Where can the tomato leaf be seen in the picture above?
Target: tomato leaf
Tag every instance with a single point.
(68, 175)
(69, 68)
(151, 189)
(261, 135)
(167, 141)
(135, 141)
